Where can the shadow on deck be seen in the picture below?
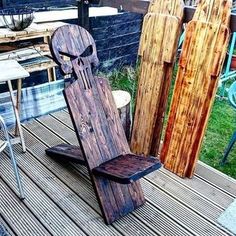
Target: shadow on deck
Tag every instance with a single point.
(60, 200)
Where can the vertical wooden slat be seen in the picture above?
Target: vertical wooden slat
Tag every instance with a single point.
(200, 65)
(161, 30)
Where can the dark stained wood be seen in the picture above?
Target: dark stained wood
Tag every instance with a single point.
(88, 118)
(95, 119)
(127, 168)
(71, 153)
(66, 152)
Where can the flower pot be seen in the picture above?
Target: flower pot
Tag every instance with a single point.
(233, 63)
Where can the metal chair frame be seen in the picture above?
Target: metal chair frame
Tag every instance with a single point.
(232, 99)
(7, 143)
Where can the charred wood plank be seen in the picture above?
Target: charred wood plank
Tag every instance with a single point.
(66, 152)
(128, 168)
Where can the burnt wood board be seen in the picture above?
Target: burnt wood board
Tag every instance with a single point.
(128, 168)
(66, 153)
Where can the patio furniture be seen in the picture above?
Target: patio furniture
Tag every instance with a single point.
(113, 169)
(232, 99)
(12, 70)
(7, 143)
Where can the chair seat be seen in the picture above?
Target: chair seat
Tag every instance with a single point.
(3, 144)
(66, 152)
(128, 168)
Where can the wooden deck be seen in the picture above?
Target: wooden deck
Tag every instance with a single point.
(60, 200)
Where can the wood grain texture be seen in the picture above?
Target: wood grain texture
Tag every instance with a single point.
(99, 146)
(95, 119)
(161, 30)
(65, 153)
(201, 61)
(127, 168)
(71, 153)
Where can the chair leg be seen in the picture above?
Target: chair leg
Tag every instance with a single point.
(18, 124)
(229, 148)
(13, 160)
(17, 175)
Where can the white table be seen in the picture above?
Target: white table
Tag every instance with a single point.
(12, 70)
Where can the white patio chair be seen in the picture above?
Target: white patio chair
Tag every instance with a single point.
(7, 143)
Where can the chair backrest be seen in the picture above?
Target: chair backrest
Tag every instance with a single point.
(89, 99)
(232, 94)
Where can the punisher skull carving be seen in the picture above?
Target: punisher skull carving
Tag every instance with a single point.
(74, 50)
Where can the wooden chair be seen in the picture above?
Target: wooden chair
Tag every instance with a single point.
(114, 170)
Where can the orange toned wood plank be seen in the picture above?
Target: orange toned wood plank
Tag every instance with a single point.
(161, 30)
(200, 64)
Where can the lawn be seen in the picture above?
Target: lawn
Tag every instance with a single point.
(221, 125)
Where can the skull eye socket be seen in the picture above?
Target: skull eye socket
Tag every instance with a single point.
(87, 52)
(66, 56)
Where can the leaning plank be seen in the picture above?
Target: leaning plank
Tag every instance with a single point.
(201, 61)
(174, 208)
(16, 214)
(48, 213)
(160, 34)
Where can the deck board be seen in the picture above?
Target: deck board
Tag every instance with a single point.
(9, 231)
(17, 215)
(48, 213)
(174, 206)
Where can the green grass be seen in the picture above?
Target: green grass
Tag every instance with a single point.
(221, 125)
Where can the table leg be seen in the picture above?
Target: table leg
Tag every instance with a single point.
(18, 102)
(18, 124)
(51, 71)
